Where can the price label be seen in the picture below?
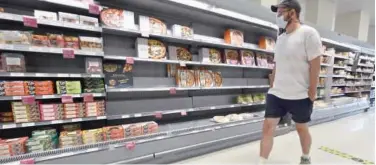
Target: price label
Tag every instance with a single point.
(68, 53)
(101, 117)
(137, 115)
(130, 145)
(92, 149)
(125, 116)
(158, 115)
(28, 100)
(48, 96)
(16, 97)
(7, 126)
(94, 9)
(77, 120)
(183, 113)
(17, 74)
(28, 161)
(27, 124)
(182, 64)
(41, 74)
(56, 121)
(173, 91)
(129, 60)
(232, 106)
(212, 108)
(88, 98)
(66, 99)
(62, 75)
(95, 75)
(30, 21)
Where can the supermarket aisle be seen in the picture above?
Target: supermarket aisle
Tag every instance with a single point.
(354, 135)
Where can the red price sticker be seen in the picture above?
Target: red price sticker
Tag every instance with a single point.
(129, 60)
(183, 113)
(30, 21)
(68, 53)
(130, 145)
(158, 115)
(27, 161)
(172, 91)
(66, 99)
(94, 9)
(88, 98)
(28, 100)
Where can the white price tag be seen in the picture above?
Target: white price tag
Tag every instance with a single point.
(101, 117)
(37, 49)
(76, 119)
(95, 75)
(16, 97)
(41, 74)
(7, 46)
(48, 96)
(56, 50)
(232, 106)
(137, 115)
(62, 75)
(97, 94)
(191, 109)
(56, 121)
(75, 75)
(250, 104)
(27, 124)
(212, 108)
(7, 126)
(125, 116)
(17, 74)
(182, 64)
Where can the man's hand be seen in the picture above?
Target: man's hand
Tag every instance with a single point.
(312, 94)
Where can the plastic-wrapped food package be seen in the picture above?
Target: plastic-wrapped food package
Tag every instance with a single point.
(234, 37)
(56, 40)
(69, 18)
(231, 57)
(71, 42)
(40, 41)
(15, 37)
(13, 62)
(117, 18)
(210, 55)
(91, 43)
(45, 15)
(90, 21)
(182, 31)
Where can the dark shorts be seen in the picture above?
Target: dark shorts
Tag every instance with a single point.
(300, 110)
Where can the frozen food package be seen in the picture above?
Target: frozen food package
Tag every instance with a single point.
(205, 78)
(91, 43)
(45, 15)
(182, 31)
(71, 42)
(210, 55)
(267, 43)
(234, 37)
(117, 18)
(261, 60)
(40, 40)
(185, 78)
(93, 65)
(152, 25)
(56, 40)
(13, 62)
(150, 48)
(90, 21)
(179, 53)
(231, 56)
(248, 58)
(218, 81)
(69, 18)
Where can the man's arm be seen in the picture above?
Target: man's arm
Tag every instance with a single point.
(271, 77)
(314, 71)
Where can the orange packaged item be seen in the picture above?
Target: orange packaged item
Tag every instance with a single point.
(267, 43)
(149, 127)
(131, 130)
(12, 147)
(113, 133)
(234, 37)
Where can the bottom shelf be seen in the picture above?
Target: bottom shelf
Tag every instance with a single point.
(178, 141)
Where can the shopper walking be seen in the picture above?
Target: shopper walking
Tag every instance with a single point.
(294, 78)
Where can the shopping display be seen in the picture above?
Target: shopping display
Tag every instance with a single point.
(145, 78)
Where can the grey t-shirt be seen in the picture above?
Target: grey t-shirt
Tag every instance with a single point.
(293, 52)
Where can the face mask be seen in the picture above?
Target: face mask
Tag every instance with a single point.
(281, 23)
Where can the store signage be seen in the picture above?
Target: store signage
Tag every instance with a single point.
(68, 53)
(28, 100)
(173, 91)
(66, 99)
(130, 145)
(94, 9)
(30, 21)
(88, 98)
(129, 60)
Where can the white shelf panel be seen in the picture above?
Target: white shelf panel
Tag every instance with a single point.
(28, 48)
(364, 65)
(109, 57)
(42, 123)
(182, 89)
(338, 85)
(339, 76)
(341, 57)
(52, 75)
(55, 96)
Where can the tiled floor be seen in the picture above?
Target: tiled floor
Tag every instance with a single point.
(353, 135)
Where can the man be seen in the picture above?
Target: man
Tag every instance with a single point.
(294, 78)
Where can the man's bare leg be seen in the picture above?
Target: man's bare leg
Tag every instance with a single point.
(266, 144)
(305, 139)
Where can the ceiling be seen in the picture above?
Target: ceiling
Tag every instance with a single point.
(346, 6)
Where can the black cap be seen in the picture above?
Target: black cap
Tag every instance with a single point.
(292, 4)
